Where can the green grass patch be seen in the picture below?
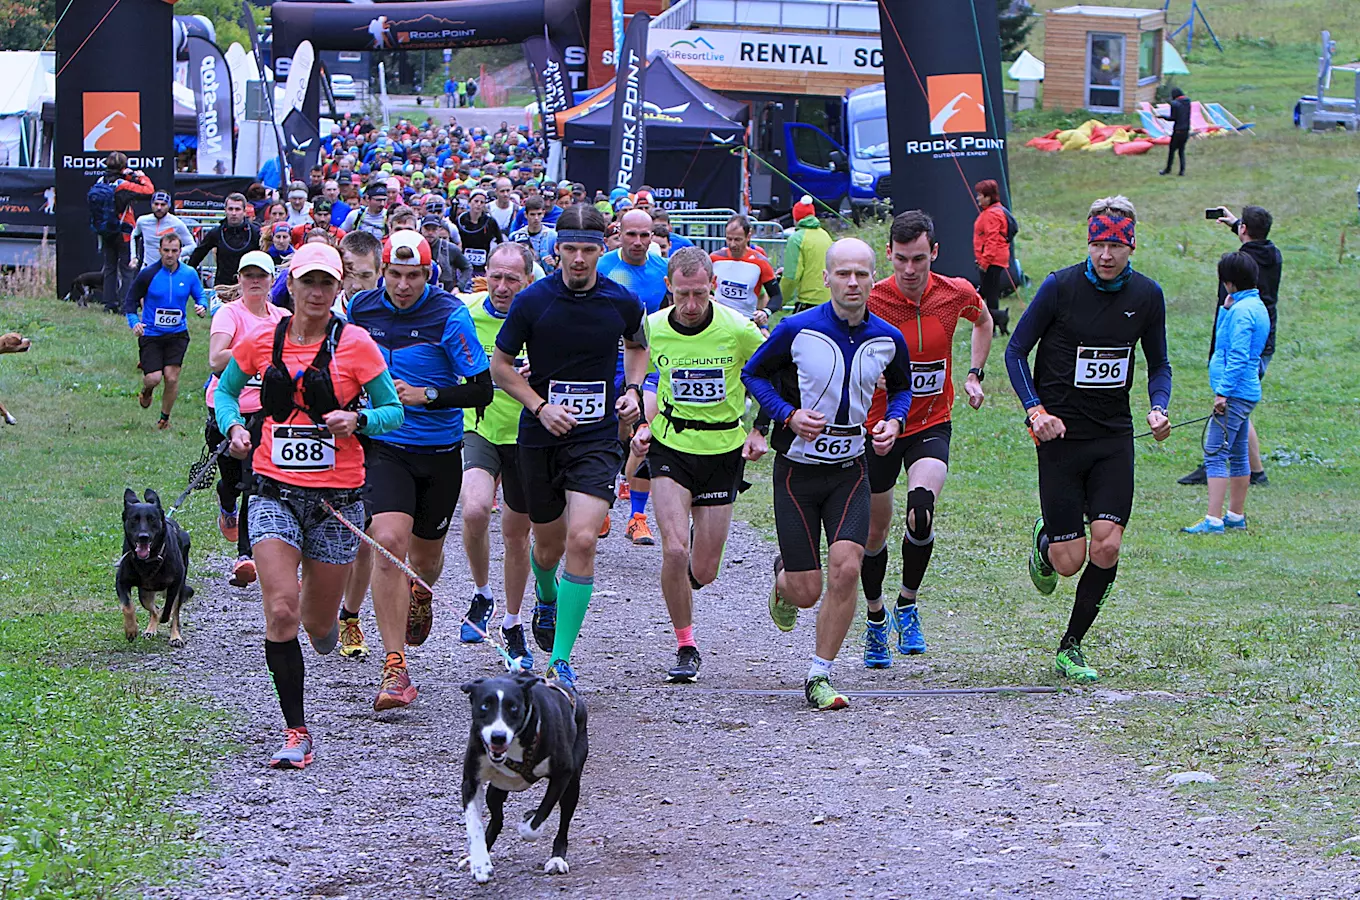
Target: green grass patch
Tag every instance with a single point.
(90, 759)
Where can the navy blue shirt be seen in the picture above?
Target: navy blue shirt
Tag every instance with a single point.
(573, 339)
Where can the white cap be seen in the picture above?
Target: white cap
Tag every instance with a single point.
(259, 259)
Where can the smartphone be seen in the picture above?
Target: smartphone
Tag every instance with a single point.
(1215, 214)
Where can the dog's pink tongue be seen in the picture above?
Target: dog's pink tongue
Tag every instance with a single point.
(142, 550)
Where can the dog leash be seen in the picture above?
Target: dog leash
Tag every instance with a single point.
(1177, 425)
(204, 466)
(511, 664)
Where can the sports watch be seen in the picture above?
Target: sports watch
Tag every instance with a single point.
(979, 373)
(431, 394)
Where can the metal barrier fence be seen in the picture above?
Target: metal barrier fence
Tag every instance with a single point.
(707, 228)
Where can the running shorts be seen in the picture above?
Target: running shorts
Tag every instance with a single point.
(500, 461)
(155, 352)
(1085, 478)
(297, 517)
(711, 479)
(930, 443)
(585, 467)
(812, 499)
(425, 486)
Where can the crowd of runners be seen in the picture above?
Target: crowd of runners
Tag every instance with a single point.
(355, 393)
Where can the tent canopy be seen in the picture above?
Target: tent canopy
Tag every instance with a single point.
(1027, 67)
(1172, 62)
(27, 82)
(680, 113)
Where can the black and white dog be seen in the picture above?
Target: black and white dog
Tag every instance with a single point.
(523, 729)
(155, 558)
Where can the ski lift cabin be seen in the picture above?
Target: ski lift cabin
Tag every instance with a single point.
(1102, 58)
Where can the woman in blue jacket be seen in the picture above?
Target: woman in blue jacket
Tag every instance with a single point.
(1240, 334)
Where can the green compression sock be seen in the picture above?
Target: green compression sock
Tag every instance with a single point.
(572, 599)
(546, 579)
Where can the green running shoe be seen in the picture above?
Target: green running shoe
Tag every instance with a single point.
(1072, 663)
(821, 696)
(784, 615)
(1041, 573)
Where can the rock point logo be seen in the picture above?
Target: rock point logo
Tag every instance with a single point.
(957, 104)
(112, 121)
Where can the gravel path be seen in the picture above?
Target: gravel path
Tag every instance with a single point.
(692, 791)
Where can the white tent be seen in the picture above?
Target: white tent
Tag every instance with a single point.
(1027, 67)
(25, 83)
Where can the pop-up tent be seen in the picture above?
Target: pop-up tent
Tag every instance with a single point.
(691, 132)
(27, 83)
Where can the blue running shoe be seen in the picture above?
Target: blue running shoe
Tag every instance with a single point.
(1237, 525)
(561, 671)
(473, 629)
(1204, 526)
(910, 640)
(876, 652)
(544, 622)
(518, 649)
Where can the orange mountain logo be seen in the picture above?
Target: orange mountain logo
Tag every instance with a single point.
(113, 121)
(957, 103)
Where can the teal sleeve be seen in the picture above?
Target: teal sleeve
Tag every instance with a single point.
(386, 413)
(226, 399)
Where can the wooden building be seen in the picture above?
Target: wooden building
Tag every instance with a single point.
(1103, 58)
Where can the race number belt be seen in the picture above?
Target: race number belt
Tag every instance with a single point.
(928, 377)
(1102, 367)
(169, 318)
(836, 443)
(302, 448)
(585, 400)
(703, 385)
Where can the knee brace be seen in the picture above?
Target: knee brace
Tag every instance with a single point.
(921, 516)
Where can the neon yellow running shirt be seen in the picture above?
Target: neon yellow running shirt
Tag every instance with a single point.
(500, 423)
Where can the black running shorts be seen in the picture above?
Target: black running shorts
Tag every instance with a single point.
(425, 486)
(155, 352)
(585, 467)
(501, 461)
(932, 443)
(711, 479)
(1081, 478)
(810, 499)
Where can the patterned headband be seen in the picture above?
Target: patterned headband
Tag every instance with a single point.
(1110, 229)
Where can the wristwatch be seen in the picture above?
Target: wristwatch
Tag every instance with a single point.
(431, 394)
(361, 421)
(764, 430)
(979, 373)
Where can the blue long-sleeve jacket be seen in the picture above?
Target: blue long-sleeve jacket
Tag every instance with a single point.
(1240, 334)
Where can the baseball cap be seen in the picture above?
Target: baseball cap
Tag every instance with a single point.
(377, 189)
(316, 258)
(432, 221)
(404, 240)
(321, 204)
(344, 178)
(644, 197)
(161, 197)
(615, 194)
(259, 259)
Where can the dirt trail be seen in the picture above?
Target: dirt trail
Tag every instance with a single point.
(691, 791)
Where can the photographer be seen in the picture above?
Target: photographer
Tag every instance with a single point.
(1253, 231)
(112, 218)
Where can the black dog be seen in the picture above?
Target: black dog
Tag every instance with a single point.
(85, 286)
(523, 729)
(155, 558)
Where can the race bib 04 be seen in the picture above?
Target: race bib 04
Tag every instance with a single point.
(583, 399)
(169, 318)
(700, 385)
(302, 448)
(927, 378)
(836, 443)
(1102, 367)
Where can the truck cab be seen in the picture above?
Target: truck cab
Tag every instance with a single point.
(867, 129)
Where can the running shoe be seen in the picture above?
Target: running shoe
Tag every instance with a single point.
(517, 647)
(477, 621)
(544, 622)
(907, 621)
(325, 644)
(785, 616)
(228, 525)
(638, 532)
(686, 668)
(163, 423)
(1235, 525)
(352, 644)
(396, 690)
(821, 696)
(1041, 573)
(420, 615)
(296, 752)
(242, 572)
(561, 671)
(1260, 479)
(604, 529)
(1204, 526)
(876, 652)
(625, 492)
(144, 398)
(1199, 476)
(1071, 662)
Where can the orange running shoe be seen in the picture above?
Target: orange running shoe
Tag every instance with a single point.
(396, 691)
(228, 524)
(242, 572)
(638, 532)
(624, 490)
(296, 752)
(352, 644)
(420, 616)
(604, 529)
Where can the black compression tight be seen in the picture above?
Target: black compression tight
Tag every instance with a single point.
(284, 659)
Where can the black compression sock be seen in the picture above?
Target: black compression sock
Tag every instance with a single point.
(872, 572)
(1092, 589)
(879, 616)
(915, 559)
(284, 659)
(243, 528)
(346, 614)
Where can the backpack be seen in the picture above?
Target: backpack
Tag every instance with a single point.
(103, 203)
(1012, 226)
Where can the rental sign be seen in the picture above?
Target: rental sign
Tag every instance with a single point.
(755, 50)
